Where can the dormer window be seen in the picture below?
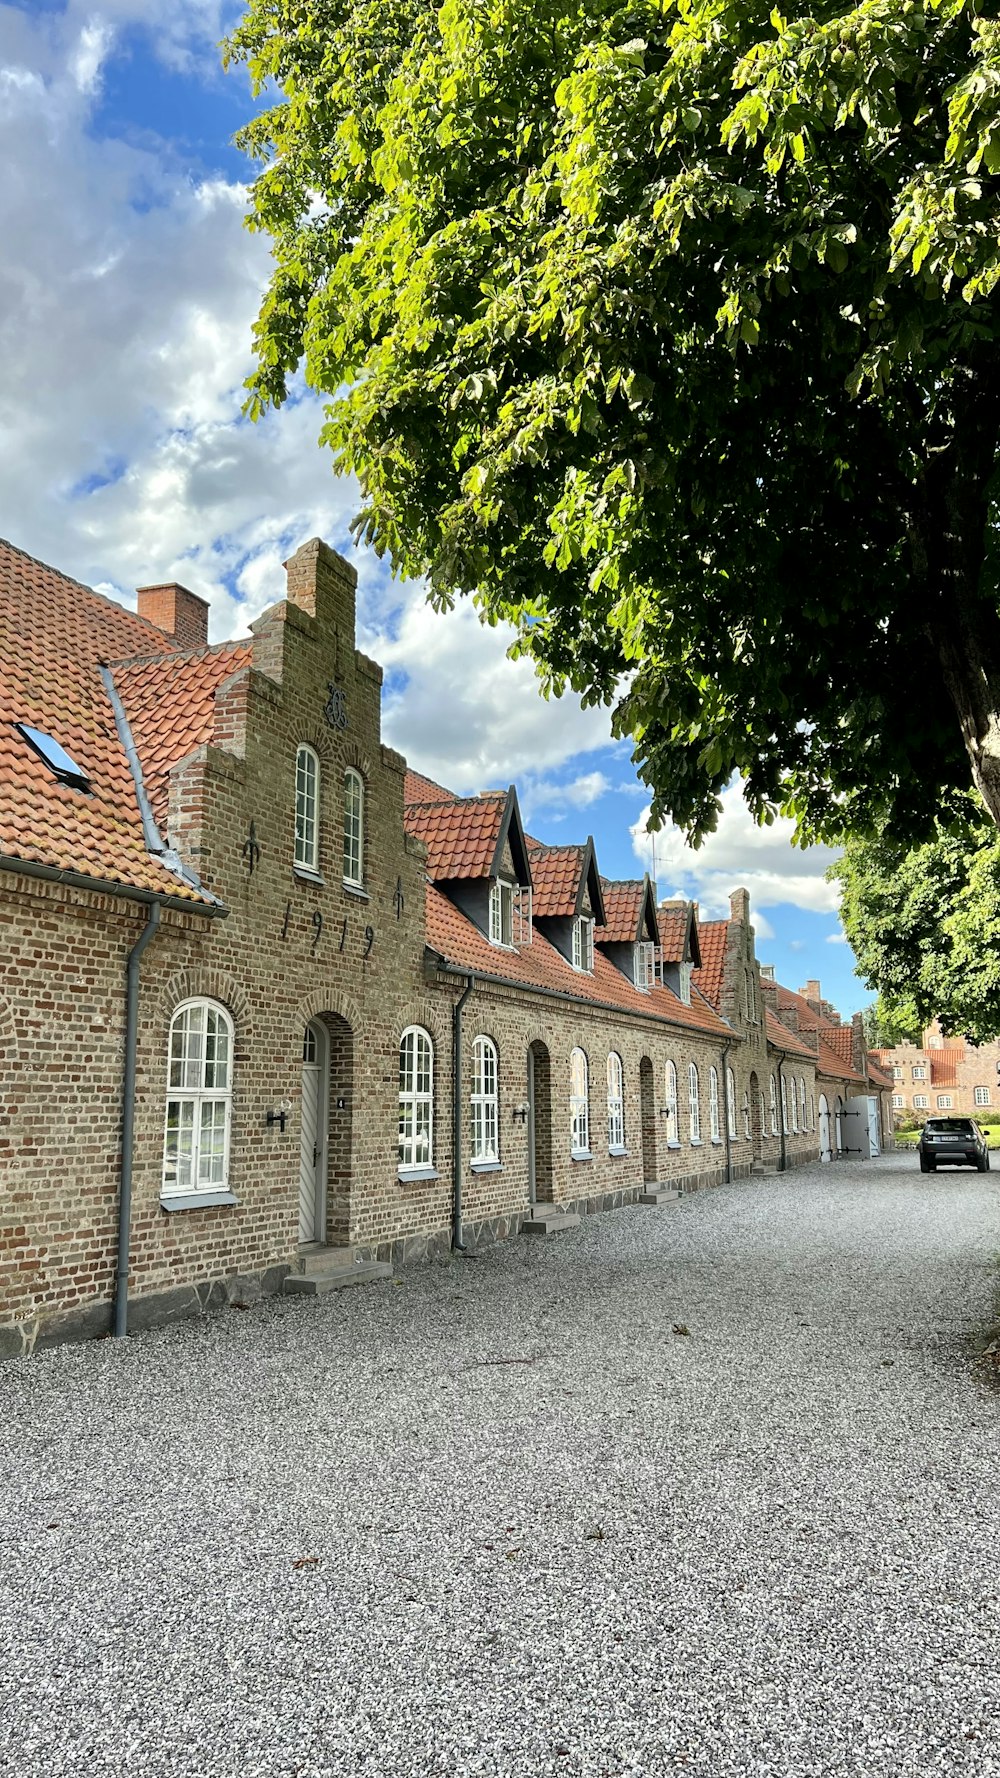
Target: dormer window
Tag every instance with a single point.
(644, 967)
(502, 914)
(583, 944)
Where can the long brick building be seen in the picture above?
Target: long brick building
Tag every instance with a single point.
(276, 1013)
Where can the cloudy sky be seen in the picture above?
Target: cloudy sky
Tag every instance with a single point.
(128, 286)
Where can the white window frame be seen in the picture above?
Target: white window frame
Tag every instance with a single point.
(670, 1105)
(920, 1101)
(694, 1105)
(485, 1103)
(793, 1095)
(579, 1106)
(307, 783)
(502, 913)
(416, 1098)
(523, 923)
(897, 1072)
(944, 1102)
(644, 966)
(731, 1104)
(190, 1087)
(746, 1115)
(802, 1102)
(713, 1105)
(981, 1096)
(616, 1104)
(919, 1071)
(583, 944)
(774, 1106)
(784, 1109)
(898, 1101)
(354, 828)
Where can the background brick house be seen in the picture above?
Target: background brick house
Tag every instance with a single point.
(942, 1074)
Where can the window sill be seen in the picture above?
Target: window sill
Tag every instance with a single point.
(172, 1201)
(696, 1142)
(673, 1145)
(618, 1152)
(305, 875)
(358, 890)
(486, 1166)
(716, 1141)
(408, 1175)
(584, 1155)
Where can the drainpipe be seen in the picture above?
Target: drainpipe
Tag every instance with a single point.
(730, 1110)
(128, 1118)
(781, 1116)
(457, 1243)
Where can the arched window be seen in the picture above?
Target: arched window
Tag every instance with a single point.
(354, 827)
(416, 1099)
(784, 1107)
(616, 1104)
(802, 1102)
(579, 1105)
(731, 1104)
(670, 1105)
(485, 1105)
(713, 1105)
(746, 1116)
(793, 1095)
(307, 809)
(199, 1099)
(694, 1104)
(774, 1107)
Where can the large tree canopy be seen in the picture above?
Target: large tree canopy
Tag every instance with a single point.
(669, 332)
(923, 923)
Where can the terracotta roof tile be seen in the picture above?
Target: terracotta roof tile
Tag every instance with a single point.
(783, 1039)
(54, 633)
(829, 1063)
(170, 704)
(623, 903)
(712, 936)
(672, 918)
(555, 876)
(460, 834)
(418, 789)
(839, 1037)
(540, 965)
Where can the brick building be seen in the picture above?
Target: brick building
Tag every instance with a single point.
(275, 1012)
(942, 1074)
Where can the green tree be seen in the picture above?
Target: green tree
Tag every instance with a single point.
(923, 923)
(669, 334)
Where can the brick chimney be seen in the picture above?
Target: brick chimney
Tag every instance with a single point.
(739, 906)
(811, 993)
(180, 614)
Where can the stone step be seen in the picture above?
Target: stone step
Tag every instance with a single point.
(659, 1194)
(549, 1222)
(761, 1170)
(333, 1268)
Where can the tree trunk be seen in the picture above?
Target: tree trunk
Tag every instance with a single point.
(959, 608)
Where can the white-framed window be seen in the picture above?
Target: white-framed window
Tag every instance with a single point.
(920, 1101)
(774, 1106)
(897, 1072)
(502, 913)
(416, 1098)
(579, 1105)
(919, 1071)
(670, 1105)
(583, 944)
(746, 1116)
(898, 1101)
(199, 1099)
(485, 1101)
(731, 1103)
(784, 1107)
(802, 1102)
(523, 926)
(616, 1103)
(713, 1105)
(795, 1106)
(982, 1095)
(944, 1101)
(307, 809)
(354, 827)
(694, 1103)
(644, 967)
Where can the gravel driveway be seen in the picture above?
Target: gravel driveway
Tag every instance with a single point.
(504, 1517)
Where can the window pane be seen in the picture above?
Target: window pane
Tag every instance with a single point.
(179, 1145)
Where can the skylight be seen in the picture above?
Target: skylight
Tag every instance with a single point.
(55, 757)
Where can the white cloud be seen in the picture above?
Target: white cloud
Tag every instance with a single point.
(739, 855)
(87, 58)
(836, 938)
(579, 793)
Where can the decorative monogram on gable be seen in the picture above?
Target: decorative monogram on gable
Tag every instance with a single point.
(336, 707)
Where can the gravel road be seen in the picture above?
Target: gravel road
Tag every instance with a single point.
(706, 1489)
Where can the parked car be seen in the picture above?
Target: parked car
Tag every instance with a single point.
(952, 1142)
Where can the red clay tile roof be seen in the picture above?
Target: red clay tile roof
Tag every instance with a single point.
(418, 789)
(783, 1039)
(839, 1038)
(555, 876)
(460, 834)
(54, 633)
(540, 965)
(809, 1018)
(170, 705)
(712, 935)
(944, 1068)
(877, 1075)
(672, 918)
(623, 905)
(830, 1064)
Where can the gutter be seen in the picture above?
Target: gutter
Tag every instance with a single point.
(783, 1108)
(74, 879)
(730, 1110)
(128, 1118)
(458, 1245)
(501, 981)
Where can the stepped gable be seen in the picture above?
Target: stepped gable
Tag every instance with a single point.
(185, 686)
(54, 635)
(539, 965)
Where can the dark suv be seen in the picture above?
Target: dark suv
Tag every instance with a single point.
(952, 1141)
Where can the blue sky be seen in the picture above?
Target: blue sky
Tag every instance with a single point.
(127, 292)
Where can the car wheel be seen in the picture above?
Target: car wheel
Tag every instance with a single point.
(983, 1163)
(925, 1165)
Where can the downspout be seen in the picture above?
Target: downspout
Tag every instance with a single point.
(128, 1118)
(782, 1104)
(730, 1109)
(457, 1243)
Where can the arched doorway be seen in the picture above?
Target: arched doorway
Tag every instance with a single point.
(325, 1131)
(539, 1124)
(756, 1117)
(825, 1146)
(647, 1121)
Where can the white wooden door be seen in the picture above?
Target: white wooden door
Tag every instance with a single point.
(825, 1149)
(312, 1148)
